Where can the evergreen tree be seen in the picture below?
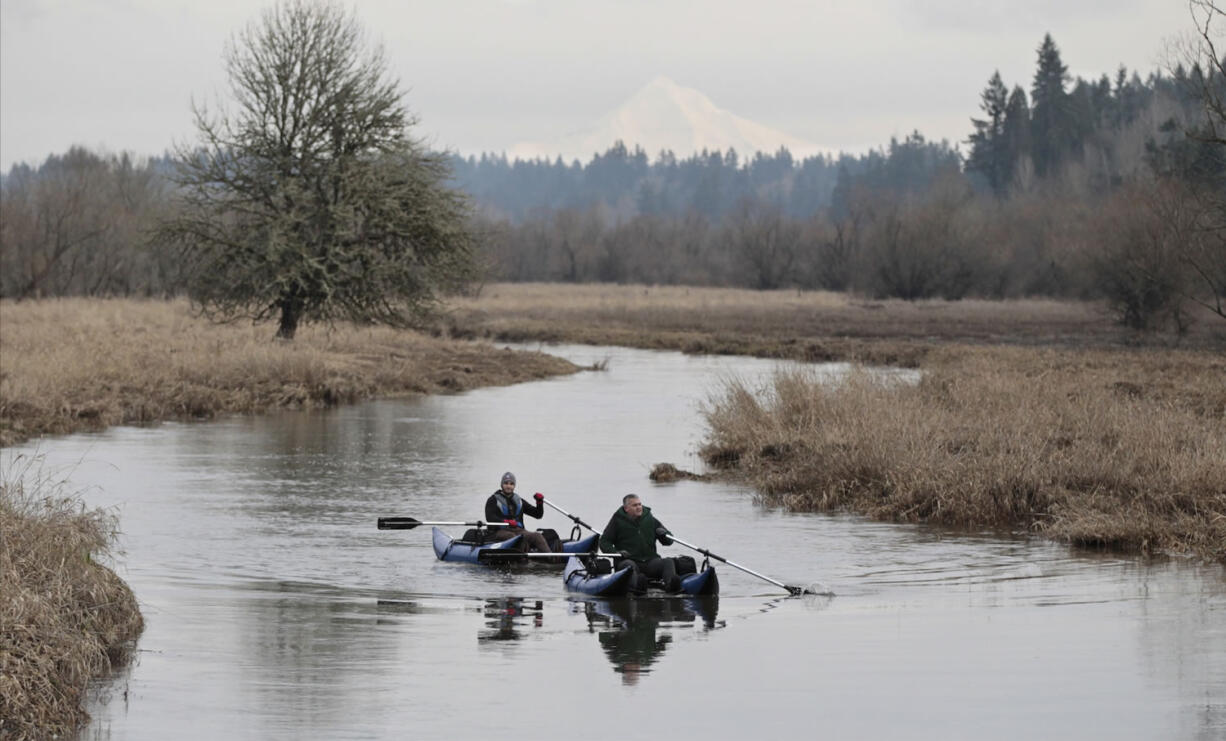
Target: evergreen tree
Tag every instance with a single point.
(989, 147)
(1051, 125)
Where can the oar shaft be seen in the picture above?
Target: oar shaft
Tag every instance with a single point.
(408, 523)
(704, 551)
(496, 553)
(573, 518)
(709, 554)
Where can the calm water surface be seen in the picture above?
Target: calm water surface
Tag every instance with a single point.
(276, 610)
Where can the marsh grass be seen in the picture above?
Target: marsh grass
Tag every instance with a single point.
(64, 617)
(1035, 415)
(806, 326)
(1120, 449)
(86, 364)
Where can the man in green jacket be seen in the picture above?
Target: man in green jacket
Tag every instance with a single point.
(632, 533)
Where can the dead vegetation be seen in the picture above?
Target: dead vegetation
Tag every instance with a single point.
(1117, 449)
(812, 326)
(662, 473)
(86, 364)
(65, 618)
(1037, 415)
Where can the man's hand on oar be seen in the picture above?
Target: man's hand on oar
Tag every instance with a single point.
(573, 518)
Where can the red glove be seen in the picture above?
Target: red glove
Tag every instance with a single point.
(512, 523)
(539, 497)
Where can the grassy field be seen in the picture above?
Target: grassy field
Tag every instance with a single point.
(811, 326)
(1125, 450)
(78, 364)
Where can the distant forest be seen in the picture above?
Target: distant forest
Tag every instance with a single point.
(1099, 132)
(1111, 188)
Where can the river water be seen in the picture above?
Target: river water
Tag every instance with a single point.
(276, 610)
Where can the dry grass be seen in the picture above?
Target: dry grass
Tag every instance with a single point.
(809, 326)
(1035, 415)
(64, 618)
(81, 364)
(1122, 449)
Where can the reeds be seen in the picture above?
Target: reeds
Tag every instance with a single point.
(64, 617)
(81, 364)
(813, 326)
(1122, 449)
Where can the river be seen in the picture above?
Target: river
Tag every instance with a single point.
(276, 610)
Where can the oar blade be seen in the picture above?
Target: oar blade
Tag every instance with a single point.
(809, 590)
(500, 556)
(503, 556)
(398, 523)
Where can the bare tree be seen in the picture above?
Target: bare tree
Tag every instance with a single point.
(1207, 54)
(1192, 217)
(1202, 246)
(50, 220)
(920, 247)
(574, 241)
(764, 243)
(1141, 232)
(310, 201)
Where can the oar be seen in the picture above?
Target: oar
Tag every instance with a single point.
(408, 523)
(500, 555)
(497, 553)
(792, 589)
(573, 518)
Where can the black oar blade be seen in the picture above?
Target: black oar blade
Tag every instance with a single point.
(398, 523)
(500, 556)
(497, 556)
(811, 590)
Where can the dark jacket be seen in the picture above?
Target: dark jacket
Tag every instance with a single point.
(499, 509)
(636, 538)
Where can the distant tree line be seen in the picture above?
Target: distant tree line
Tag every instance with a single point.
(627, 183)
(79, 224)
(1112, 188)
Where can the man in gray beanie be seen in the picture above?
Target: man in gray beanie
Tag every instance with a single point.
(506, 506)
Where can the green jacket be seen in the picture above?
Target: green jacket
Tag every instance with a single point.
(636, 538)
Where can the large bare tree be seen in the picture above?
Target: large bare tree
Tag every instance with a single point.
(1203, 252)
(307, 200)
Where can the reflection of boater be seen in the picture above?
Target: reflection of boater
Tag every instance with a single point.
(503, 617)
(631, 642)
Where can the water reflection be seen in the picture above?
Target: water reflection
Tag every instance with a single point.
(505, 616)
(276, 610)
(635, 632)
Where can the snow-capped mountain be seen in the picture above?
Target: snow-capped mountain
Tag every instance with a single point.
(664, 115)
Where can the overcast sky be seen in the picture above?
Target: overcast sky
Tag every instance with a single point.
(482, 75)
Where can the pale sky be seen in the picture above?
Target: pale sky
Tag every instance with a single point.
(481, 75)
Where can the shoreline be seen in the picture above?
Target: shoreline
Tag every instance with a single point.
(66, 619)
(74, 365)
(120, 361)
(1090, 472)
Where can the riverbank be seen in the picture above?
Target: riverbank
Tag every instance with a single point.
(1034, 416)
(64, 617)
(812, 326)
(87, 364)
(75, 365)
(1117, 450)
